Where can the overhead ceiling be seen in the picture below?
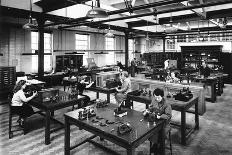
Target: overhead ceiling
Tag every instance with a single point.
(155, 16)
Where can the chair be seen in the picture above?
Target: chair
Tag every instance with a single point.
(127, 103)
(170, 142)
(11, 115)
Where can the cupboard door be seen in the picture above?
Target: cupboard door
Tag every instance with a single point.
(226, 59)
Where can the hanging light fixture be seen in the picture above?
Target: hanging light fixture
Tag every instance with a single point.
(109, 34)
(30, 24)
(147, 36)
(97, 12)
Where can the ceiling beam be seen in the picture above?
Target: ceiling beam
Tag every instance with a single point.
(20, 13)
(201, 14)
(155, 4)
(158, 12)
(51, 5)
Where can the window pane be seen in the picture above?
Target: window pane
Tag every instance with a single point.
(82, 43)
(47, 49)
(109, 43)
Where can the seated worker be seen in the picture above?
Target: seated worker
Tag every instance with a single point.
(80, 87)
(168, 77)
(121, 94)
(119, 64)
(20, 103)
(162, 110)
(174, 78)
(204, 70)
(166, 63)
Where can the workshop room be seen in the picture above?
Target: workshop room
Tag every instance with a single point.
(115, 77)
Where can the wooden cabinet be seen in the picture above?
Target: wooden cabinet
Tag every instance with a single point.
(7, 80)
(226, 59)
(158, 58)
(70, 61)
(194, 55)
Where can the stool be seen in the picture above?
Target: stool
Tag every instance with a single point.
(11, 115)
(170, 143)
(128, 103)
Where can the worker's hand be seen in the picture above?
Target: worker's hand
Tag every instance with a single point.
(146, 112)
(35, 93)
(158, 116)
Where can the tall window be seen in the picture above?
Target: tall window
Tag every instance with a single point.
(181, 38)
(171, 42)
(82, 43)
(47, 49)
(131, 48)
(192, 37)
(109, 45)
(227, 36)
(215, 37)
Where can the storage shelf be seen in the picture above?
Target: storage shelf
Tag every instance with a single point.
(197, 54)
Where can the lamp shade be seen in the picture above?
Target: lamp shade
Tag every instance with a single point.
(97, 13)
(109, 35)
(28, 26)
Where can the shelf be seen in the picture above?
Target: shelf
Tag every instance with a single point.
(119, 53)
(35, 54)
(79, 51)
(101, 53)
(191, 61)
(75, 53)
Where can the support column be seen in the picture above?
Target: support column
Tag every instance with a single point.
(41, 22)
(126, 50)
(164, 44)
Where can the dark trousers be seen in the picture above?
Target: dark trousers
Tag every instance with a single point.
(85, 101)
(23, 111)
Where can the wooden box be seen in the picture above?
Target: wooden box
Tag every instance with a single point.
(47, 94)
(103, 76)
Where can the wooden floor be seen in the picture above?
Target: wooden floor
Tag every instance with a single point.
(213, 138)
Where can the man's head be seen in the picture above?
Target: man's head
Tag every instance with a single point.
(203, 64)
(173, 74)
(158, 94)
(82, 79)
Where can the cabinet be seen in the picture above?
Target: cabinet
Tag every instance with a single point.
(7, 80)
(158, 58)
(70, 61)
(226, 59)
(194, 55)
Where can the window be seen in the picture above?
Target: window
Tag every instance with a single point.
(192, 37)
(215, 37)
(109, 45)
(47, 49)
(227, 36)
(82, 43)
(131, 48)
(171, 42)
(181, 38)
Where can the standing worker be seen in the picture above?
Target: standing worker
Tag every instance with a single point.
(133, 67)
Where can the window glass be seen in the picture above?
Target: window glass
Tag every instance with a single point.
(47, 49)
(109, 45)
(131, 48)
(82, 43)
(171, 42)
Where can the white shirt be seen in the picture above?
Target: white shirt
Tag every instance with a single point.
(18, 98)
(126, 86)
